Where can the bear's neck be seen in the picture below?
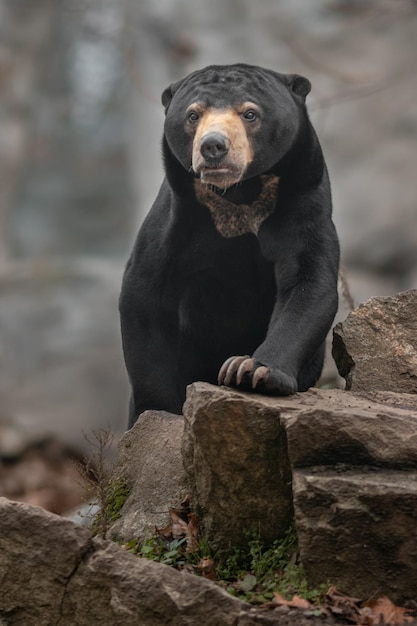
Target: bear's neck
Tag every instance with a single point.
(234, 212)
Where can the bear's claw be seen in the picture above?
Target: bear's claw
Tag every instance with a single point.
(229, 369)
(239, 367)
(245, 366)
(246, 372)
(259, 374)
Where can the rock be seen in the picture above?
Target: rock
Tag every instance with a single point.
(119, 588)
(329, 427)
(376, 346)
(149, 457)
(39, 553)
(354, 487)
(53, 572)
(235, 453)
(354, 460)
(356, 529)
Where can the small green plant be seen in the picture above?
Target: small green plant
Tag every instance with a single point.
(171, 553)
(256, 573)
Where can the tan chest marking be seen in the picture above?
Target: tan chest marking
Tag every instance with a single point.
(232, 220)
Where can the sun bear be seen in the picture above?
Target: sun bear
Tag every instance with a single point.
(233, 276)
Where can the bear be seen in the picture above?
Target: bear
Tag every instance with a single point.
(233, 276)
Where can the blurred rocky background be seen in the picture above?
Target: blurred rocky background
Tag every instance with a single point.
(80, 164)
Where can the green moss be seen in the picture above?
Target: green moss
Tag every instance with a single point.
(116, 493)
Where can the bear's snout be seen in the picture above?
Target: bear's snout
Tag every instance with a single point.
(221, 148)
(213, 147)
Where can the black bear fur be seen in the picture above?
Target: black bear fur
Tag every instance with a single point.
(256, 293)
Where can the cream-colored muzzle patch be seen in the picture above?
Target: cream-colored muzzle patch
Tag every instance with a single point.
(231, 168)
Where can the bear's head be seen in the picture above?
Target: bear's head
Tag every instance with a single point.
(230, 123)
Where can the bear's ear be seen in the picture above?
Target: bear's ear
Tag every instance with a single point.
(167, 97)
(299, 84)
(168, 93)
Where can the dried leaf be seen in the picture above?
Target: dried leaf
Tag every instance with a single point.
(383, 612)
(207, 569)
(192, 534)
(295, 603)
(178, 525)
(192, 524)
(341, 605)
(166, 532)
(338, 598)
(186, 504)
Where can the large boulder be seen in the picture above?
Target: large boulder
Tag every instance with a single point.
(376, 346)
(236, 456)
(39, 552)
(53, 572)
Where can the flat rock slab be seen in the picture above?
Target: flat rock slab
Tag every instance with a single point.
(376, 346)
(327, 427)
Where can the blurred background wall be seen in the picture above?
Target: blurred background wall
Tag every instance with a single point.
(80, 129)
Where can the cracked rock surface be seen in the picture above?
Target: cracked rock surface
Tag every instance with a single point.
(52, 573)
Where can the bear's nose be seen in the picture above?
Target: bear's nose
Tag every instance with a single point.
(214, 147)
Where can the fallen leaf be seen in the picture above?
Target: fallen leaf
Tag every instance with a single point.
(207, 568)
(295, 603)
(341, 605)
(166, 532)
(178, 525)
(186, 504)
(383, 612)
(191, 534)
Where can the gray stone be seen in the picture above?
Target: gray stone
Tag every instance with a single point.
(375, 348)
(52, 572)
(39, 552)
(123, 589)
(235, 453)
(357, 529)
(149, 456)
(355, 489)
(354, 460)
(327, 427)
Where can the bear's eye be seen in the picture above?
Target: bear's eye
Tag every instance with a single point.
(193, 117)
(250, 115)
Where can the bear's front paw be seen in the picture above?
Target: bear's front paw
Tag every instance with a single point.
(245, 371)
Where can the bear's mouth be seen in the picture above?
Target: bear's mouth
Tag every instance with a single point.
(221, 176)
